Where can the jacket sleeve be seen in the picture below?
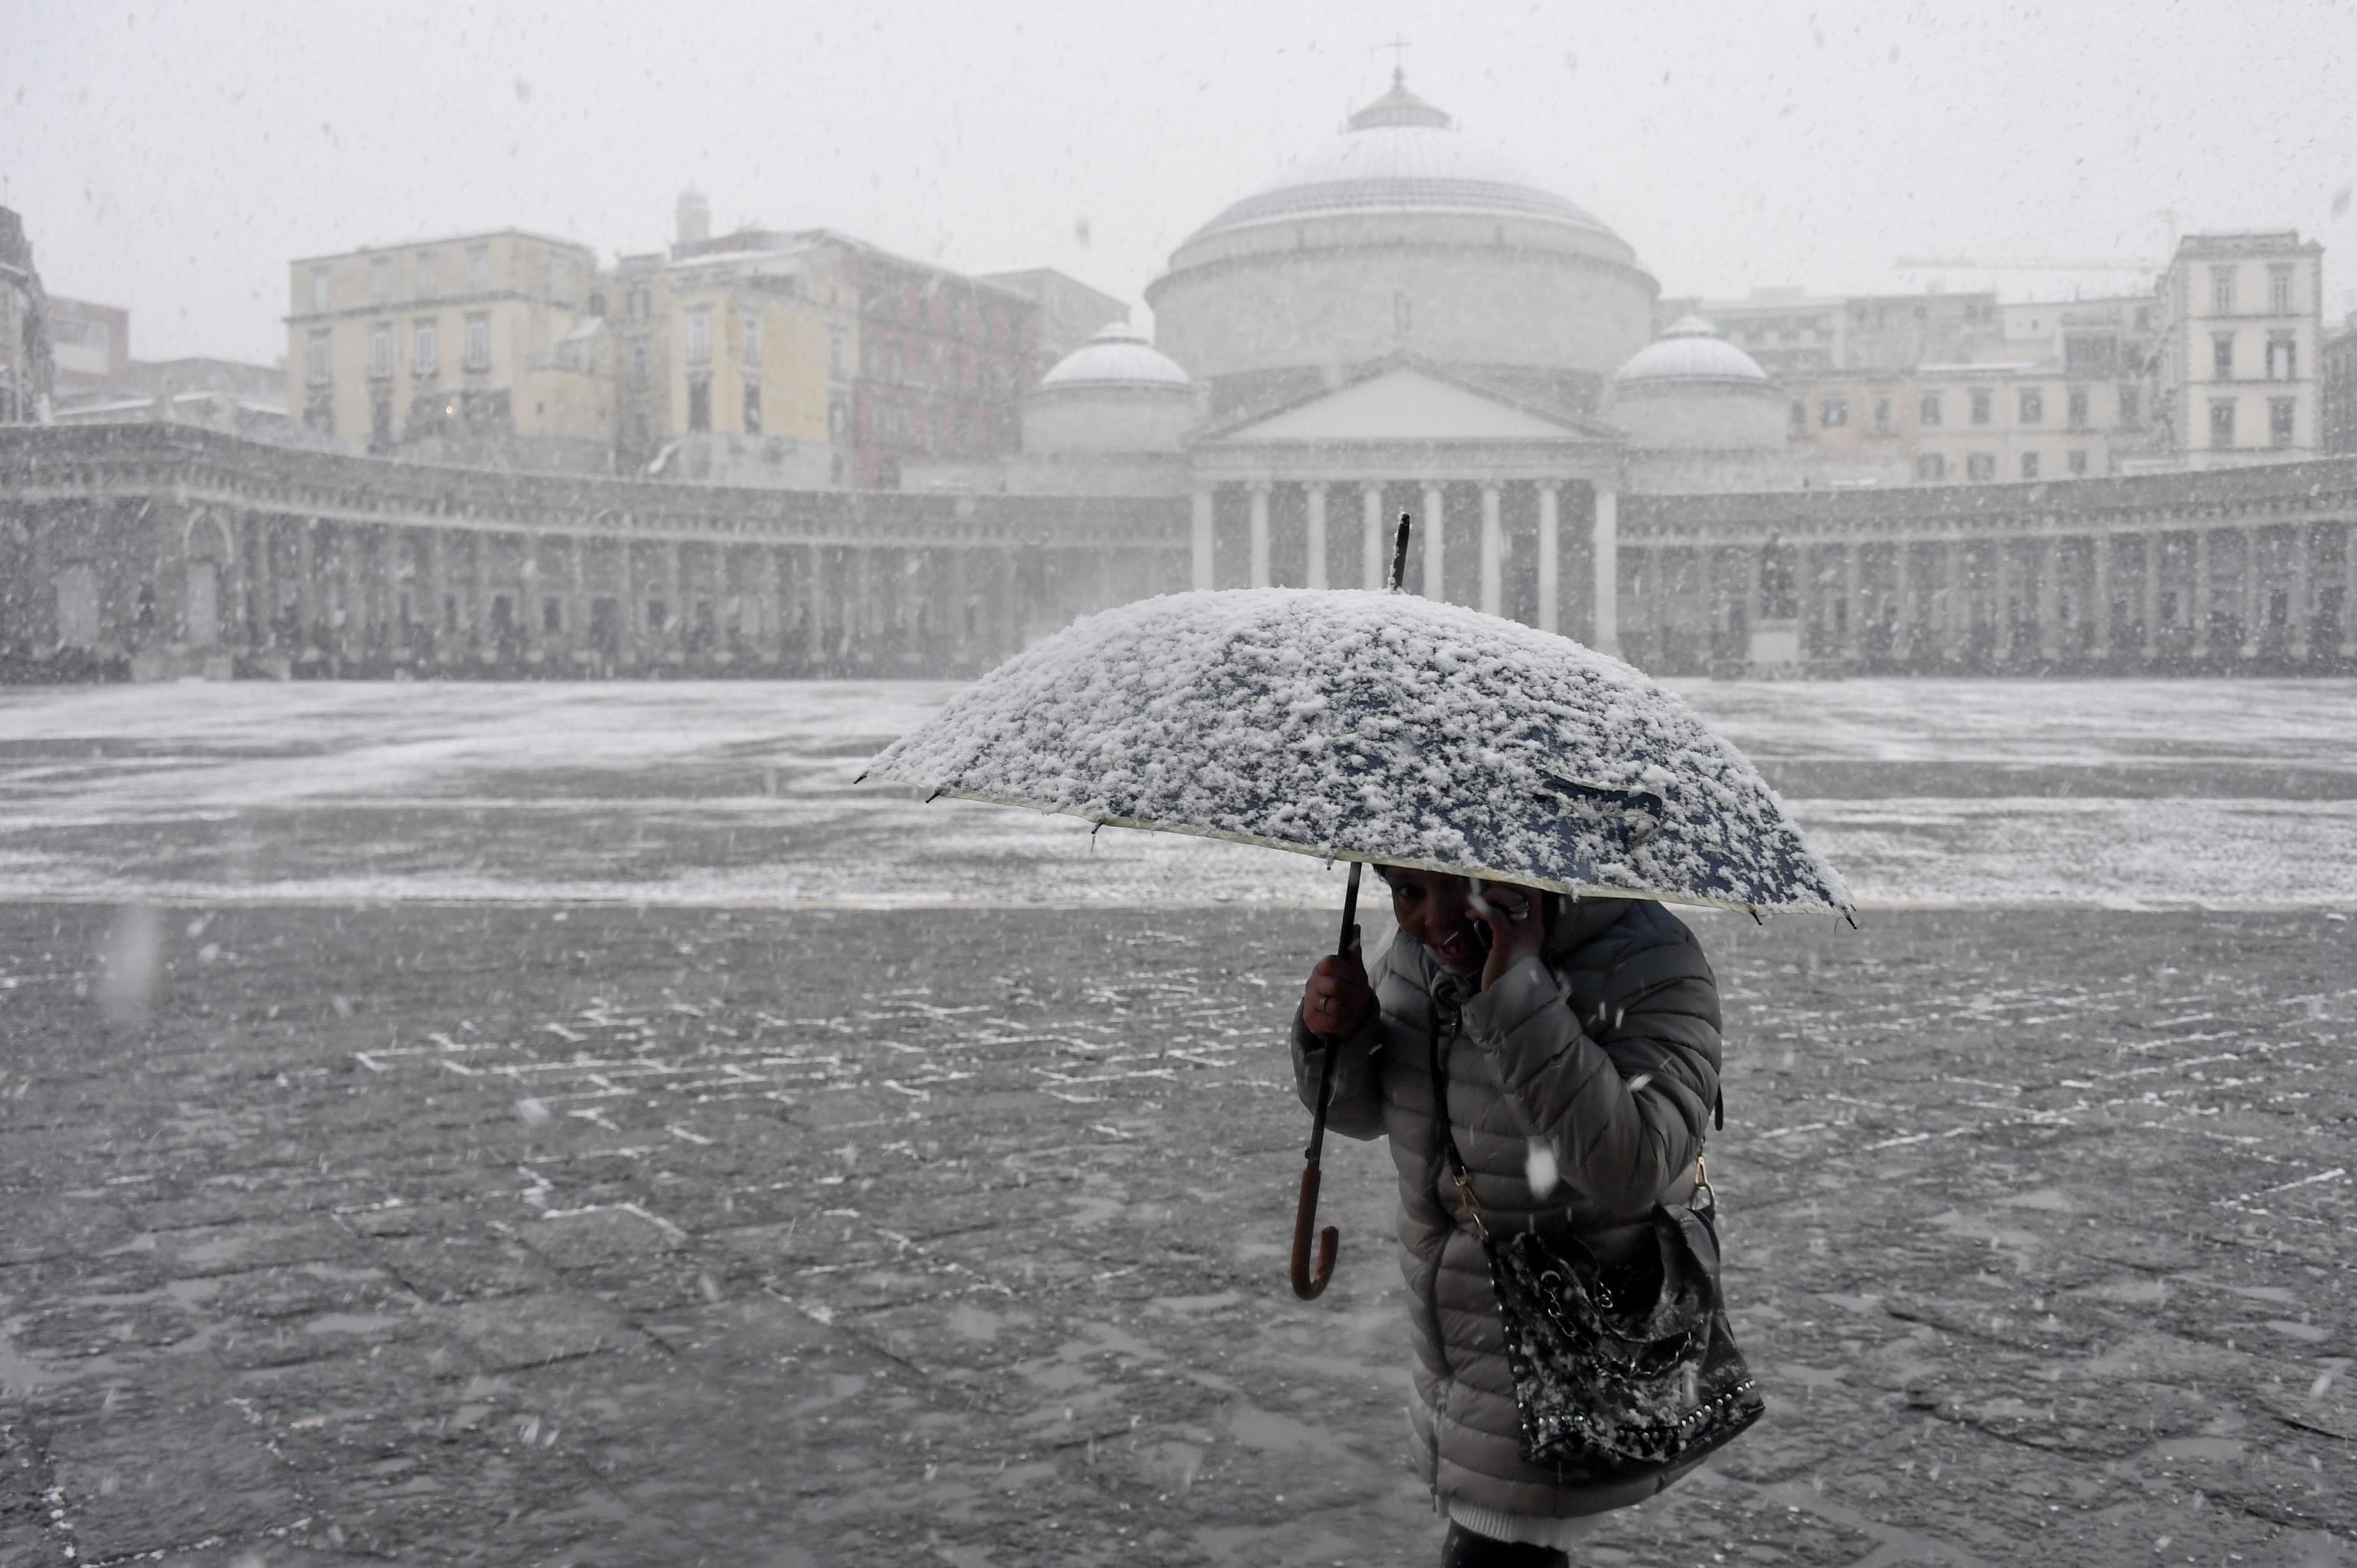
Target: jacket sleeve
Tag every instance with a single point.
(1356, 1108)
(1624, 1098)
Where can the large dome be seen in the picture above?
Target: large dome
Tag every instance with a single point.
(1690, 353)
(1117, 355)
(1403, 237)
(1401, 155)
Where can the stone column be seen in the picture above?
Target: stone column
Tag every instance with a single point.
(627, 623)
(2049, 599)
(1436, 545)
(1952, 614)
(1258, 490)
(1316, 492)
(577, 596)
(1606, 559)
(265, 584)
(2349, 589)
(354, 641)
(2201, 590)
(1852, 609)
(437, 574)
(2254, 601)
(306, 579)
(1202, 539)
(2151, 649)
(1903, 618)
(2101, 543)
(528, 632)
(1550, 559)
(1494, 553)
(1378, 562)
(2302, 589)
(674, 611)
(483, 646)
(770, 635)
(814, 591)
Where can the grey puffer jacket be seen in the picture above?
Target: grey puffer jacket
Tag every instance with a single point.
(1608, 1049)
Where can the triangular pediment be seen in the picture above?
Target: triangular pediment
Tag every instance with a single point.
(1406, 403)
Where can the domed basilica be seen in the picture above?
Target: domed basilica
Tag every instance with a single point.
(1404, 320)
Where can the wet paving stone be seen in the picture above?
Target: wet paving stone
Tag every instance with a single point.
(462, 1236)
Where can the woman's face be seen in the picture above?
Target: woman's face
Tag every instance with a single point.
(1431, 908)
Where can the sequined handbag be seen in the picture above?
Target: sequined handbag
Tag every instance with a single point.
(1619, 1370)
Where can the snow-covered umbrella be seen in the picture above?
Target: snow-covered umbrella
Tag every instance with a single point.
(1373, 727)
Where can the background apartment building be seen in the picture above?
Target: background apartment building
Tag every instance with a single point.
(810, 359)
(486, 347)
(2236, 368)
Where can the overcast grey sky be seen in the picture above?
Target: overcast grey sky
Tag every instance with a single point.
(174, 159)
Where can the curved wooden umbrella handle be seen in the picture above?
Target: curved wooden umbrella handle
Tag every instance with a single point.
(1307, 1286)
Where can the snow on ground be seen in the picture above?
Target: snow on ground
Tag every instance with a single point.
(2224, 793)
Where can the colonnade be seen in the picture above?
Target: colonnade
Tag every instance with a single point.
(2162, 594)
(310, 589)
(1541, 550)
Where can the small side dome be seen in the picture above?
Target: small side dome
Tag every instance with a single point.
(1690, 353)
(1117, 355)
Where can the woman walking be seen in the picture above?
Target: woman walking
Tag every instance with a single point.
(1572, 1047)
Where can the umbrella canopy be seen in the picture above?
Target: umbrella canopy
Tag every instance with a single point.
(1354, 724)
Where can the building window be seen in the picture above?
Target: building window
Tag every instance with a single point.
(319, 288)
(2029, 465)
(2077, 407)
(2221, 357)
(2222, 291)
(425, 356)
(1835, 413)
(478, 342)
(838, 353)
(1926, 411)
(379, 418)
(752, 408)
(2283, 362)
(1980, 466)
(560, 278)
(1882, 423)
(2279, 417)
(381, 280)
(1800, 417)
(2279, 289)
(426, 289)
(380, 350)
(316, 363)
(1980, 408)
(2222, 423)
(2033, 406)
(1931, 466)
(635, 302)
(657, 613)
(479, 268)
(2078, 462)
(552, 613)
(638, 366)
(2131, 405)
(752, 338)
(699, 402)
(699, 335)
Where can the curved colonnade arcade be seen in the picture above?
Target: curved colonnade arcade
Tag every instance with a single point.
(160, 550)
(174, 551)
(2249, 570)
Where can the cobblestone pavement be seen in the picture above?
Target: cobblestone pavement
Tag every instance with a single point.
(591, 1236)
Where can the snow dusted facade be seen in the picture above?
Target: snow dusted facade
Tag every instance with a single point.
(1399, 322)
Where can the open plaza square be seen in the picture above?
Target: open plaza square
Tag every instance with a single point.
(507, 1125)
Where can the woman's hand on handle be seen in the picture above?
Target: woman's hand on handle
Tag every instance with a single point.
(1338, 1000)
